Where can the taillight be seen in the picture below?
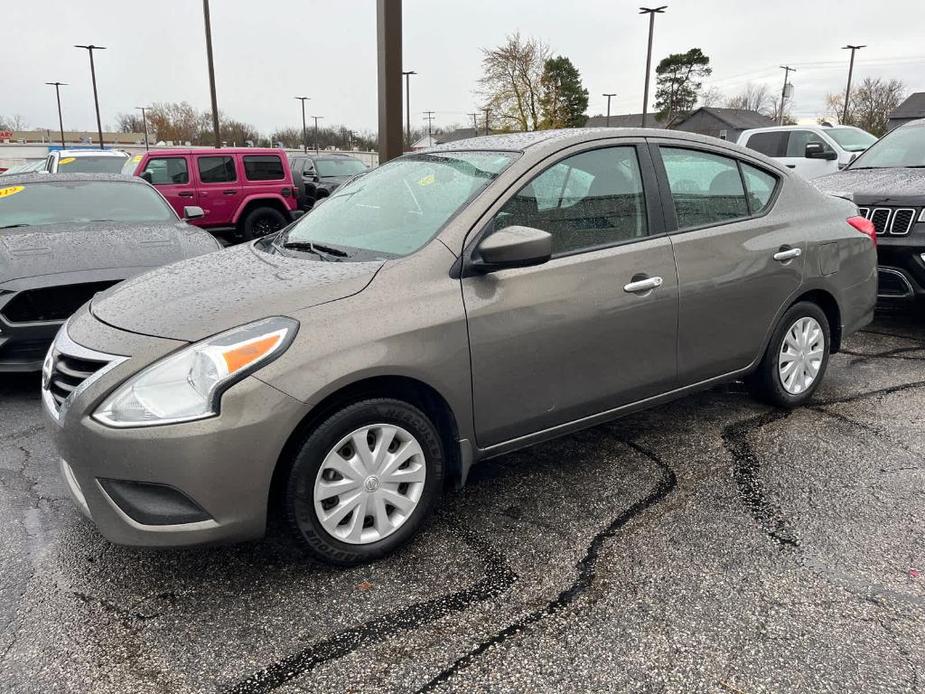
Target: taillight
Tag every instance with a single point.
(865, 226)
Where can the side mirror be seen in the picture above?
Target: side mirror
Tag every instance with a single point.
(513, 246)
(295, 214)
(146, 175)
(193, 212)
(816, 150)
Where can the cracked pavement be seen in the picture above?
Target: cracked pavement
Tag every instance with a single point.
(713, 544)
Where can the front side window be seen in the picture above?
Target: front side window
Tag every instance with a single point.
(588, 200)
(166, 171)
(32, 204)
(770, 144)
(760, 187)
(796, 145)
(706, 188)
(397, 208)
(216, 169)
(263, 167)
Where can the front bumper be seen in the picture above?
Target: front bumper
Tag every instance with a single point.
(901, 267)
(23, 345)
(222, 466)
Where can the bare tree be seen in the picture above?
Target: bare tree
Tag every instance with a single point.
(753, 97)
(130, 123)
(711, 96)
(174, 122)
(511, 83)
(870, 106)
(13, 122)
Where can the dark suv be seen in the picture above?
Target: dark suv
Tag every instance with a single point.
(316, 176)
(887, 183)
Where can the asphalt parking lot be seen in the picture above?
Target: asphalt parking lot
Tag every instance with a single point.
(712, 544)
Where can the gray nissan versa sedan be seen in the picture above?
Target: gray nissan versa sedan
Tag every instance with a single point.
(449, 306)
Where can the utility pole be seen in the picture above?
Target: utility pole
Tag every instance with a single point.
(849, 47)
(144, 123)
(317, 118)
(487, 117)
(407, 74)
(96, 99)
(783, 92)
(651, 11)
(57, 86)
(609, 97)
(475, 123)
(208, 22)
(429, 117)
(303, 99)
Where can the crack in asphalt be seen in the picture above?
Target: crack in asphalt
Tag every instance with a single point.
(587, 569)
(885, 333)
(496, 579)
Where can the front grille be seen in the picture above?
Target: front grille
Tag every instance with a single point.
(67, 373)
(51, 303)
(896, 221)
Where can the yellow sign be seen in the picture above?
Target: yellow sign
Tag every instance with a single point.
(66, 160)
(136, 158)
(427, 180)
(10, 190)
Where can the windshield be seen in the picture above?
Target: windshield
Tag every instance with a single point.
(851, 140)
(338, 167)
(58, 202)
(99, 164)
(904, 147)
(395, 209)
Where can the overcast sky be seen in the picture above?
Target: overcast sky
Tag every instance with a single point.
(267, 52)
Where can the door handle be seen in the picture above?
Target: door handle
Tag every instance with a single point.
(785, 254)
(229, 192)
(791, 166)
(185, 194)
(644, 285)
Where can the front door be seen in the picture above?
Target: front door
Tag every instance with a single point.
(219, 189)
(593, 328)
(170, 175)
(795, 155)
(738, 260)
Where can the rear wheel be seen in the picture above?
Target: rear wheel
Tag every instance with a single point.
(796, 358)
(261, 221)
(364, 481)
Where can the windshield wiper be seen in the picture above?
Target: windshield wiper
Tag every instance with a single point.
(316, 248)
(13, 226)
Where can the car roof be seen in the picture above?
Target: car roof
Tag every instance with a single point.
(69, 177)
(90, 152)
(215, 150)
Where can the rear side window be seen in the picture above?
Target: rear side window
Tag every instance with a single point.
(216, 169)
(166, 171)
(706, 188)
(263, 167)
(760, 186)
(588, 200)
(771, 144)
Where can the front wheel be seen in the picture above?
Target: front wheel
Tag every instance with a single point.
(795, 361)
(364, 481)
(262, 221)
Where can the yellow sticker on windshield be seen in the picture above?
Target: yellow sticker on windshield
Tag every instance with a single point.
(66, 160)
(10, 190)
(136, 158)
(427, 180)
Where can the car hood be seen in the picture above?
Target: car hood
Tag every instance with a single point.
(202, 296)
(898, 186)
(56, 248)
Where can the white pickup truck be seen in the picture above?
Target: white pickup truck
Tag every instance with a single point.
(811, 150)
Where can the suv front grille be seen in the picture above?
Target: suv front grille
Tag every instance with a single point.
(896, 221)
(67, 373)
(51, 303)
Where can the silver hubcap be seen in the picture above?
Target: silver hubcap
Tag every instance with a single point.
(801, 355)
(370, 483)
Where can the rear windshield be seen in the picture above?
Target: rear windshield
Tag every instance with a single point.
(58, 202)
(91, 164)
(851, 140)
(338, 167)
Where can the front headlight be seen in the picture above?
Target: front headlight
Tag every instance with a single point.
(188, 384)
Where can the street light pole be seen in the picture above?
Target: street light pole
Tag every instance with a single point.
(609, 97)
(96, 99)
(57, 86)
(208, 23)
(144, 122)
(407, 74)
(844, 117)
(651, 11)
(317, 118)
(783, 92)
(303, 99)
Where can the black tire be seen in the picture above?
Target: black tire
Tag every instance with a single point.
(765, 382)
(261, 221)
(298, 499)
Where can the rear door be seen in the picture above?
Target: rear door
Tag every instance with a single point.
(574, 337)
(170, 174)
(737, 264)
(218, 189)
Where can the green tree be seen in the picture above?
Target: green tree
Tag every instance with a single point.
(563, 99)
(679, 79)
